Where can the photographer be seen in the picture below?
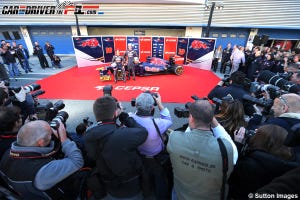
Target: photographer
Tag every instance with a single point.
(296, 78)
(153, 145)
(231, 116)
(255, 65)
(235, 89)
(114, 150)
(29, 166)
(265, 159)
(196, 158)
(10, 123)
(286, 109)
(20, 99)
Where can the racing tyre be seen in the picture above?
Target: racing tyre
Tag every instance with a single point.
(178, 70)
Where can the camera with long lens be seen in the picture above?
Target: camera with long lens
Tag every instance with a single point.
(258, 88)
(153, 94)
(218, 102)
(184, 112)
(47, 111)
(286, 75)
(37, 93)
(27, 89)
(265, 103)
(275, 79)
(61, 116)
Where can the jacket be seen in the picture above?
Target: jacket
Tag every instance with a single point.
(256, 169)
(115, 152)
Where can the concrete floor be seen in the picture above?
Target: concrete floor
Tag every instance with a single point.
(77, 109)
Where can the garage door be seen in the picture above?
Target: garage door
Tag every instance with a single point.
(59, 37)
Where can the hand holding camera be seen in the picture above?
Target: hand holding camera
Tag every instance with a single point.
(239, 135)
(157, 99)
(60, 133)
(21, 95)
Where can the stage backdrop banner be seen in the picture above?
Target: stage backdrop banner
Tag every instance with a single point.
(200, 53)
(158, 47)
(145, 48)
(120, 44)
(170, 47)
(134, 41)
(98, 50)
(108, 46)
(88, 51)
(182, 45)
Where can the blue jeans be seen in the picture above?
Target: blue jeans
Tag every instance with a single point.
(174, 195)
(25, 64)
(13, 70)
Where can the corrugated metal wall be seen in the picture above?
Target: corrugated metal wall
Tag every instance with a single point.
(236, 13)
(258, 13)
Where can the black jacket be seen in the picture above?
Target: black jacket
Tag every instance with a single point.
(117, 160)
(20, 54)
(50, 50)
(256, 169)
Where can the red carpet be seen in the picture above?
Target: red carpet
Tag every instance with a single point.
(84, 84)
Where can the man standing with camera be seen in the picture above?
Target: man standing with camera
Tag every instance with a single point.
(236, 89)
(30, 168)
(153, 146)
(197, 156)
(118, 167)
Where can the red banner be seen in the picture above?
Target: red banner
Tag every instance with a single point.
(170, 47)
(120, 44)
(145, 48)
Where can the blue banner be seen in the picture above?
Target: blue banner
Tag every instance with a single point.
(88, 50)
(199, 47)
(182, 45)
(134, 41)
(158, 47)
(108, 48)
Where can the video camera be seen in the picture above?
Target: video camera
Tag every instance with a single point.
(184, 112)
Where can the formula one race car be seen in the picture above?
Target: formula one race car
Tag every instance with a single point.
(155, 66)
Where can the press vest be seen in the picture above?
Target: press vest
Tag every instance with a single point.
(197, 164)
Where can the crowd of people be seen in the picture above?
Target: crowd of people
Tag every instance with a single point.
(228, 150)
(15, 55)
(251, 62)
